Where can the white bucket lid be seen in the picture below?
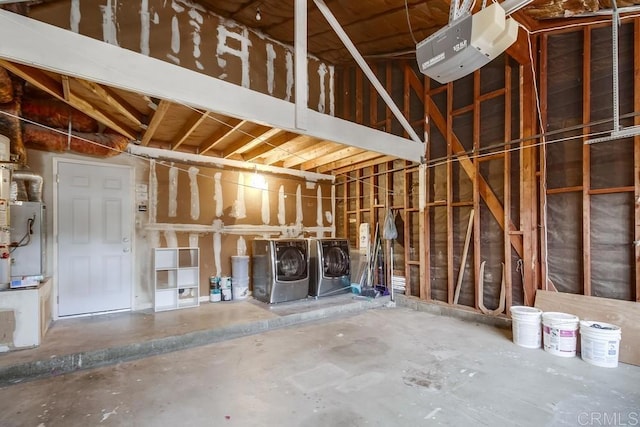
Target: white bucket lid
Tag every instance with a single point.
(554, 318)
(523, 310)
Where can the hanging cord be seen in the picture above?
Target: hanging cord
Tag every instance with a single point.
(406, 9)
(26, 239)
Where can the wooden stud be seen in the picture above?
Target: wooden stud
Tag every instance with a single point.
(528, 207)
(636, 155)
(586, 162)
(450, 135)
(425, 232)
(508, 265)
(477, 255)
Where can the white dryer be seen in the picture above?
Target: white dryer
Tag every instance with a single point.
(330, 266)
(280, 269)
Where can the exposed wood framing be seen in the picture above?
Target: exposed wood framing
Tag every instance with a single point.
(56, 89)
(156, 119)
(246, 137)
(356, 158)
(528, 179)
(449, 135)
(586, 162)
(189, 127)
(508, 264)
(115, 101)
(489, 197)
(232, 125)
(425, 243)
(636, 156)
(274, 142)
(477, 247)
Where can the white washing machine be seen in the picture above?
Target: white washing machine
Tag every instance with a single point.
(330, 267)
(280, 269)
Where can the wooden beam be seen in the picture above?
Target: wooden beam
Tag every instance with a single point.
(449, 134)
(318, 149)
(508, 264)
(477, 224)
(269, 144)
(56, 89)
(528, 178)
(348, 160)
(189, 127)
(374, 162)
(115, 101)
(154, 122)
(36, 77)
(636, 155)
(237, 145)
(294, 146)
(494, 205)
(341, 153)
(586, 162)
(227, 129)
(66, 89)
(425, 235)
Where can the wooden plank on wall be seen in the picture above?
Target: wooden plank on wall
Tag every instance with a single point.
(507, 185)
(636, 151)
(477, 230)
(586, 162)
(528, 203)
(425, 241)
(625, 314)
(450, 135)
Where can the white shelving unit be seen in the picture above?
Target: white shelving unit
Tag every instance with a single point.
(176, 278)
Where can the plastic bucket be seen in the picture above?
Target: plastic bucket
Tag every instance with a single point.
(560, 333)
(600, 343)
(215, 295)
(239, 267)
(240, 289)
(525, 323)
(224, 282)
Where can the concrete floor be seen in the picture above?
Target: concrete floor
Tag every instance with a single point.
(380, 367)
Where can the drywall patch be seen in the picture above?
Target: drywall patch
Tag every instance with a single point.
(289, 65)
(322, 73)
(217, 248)
(173, 191)
(299, 205)
(266, 218)
(239, 209)
(242, 38)
(271, 57)
(195, 193)
(171, 239)
(217, 193)
(109, 25)
(281, 210)
(196, 21)
(145, 27)
(75, 16)
(153, 192)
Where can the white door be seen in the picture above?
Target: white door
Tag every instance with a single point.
(94, 238)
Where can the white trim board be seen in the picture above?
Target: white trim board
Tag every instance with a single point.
(61, 51)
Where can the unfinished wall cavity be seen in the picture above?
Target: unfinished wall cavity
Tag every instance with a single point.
(591, 210)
